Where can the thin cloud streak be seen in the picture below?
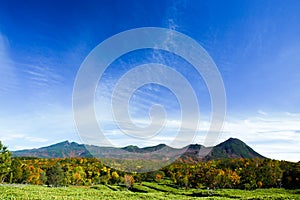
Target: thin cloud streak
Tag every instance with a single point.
(8, 79)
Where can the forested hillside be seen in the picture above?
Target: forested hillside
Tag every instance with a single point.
(226, 173)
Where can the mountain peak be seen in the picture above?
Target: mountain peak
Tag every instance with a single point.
(136, 149)
(234, 140)
(194, 146)
(131, 148)
(63, 143)
(233, 148)
(66, 142)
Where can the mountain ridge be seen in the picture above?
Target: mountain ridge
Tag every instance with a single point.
(231, 148)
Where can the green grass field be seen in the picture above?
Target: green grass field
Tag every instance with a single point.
(145, 191)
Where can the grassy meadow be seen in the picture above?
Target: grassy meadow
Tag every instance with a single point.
(146, 190)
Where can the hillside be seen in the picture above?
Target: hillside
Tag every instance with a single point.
(231, 148)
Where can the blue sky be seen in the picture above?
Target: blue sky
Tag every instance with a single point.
(255, 45)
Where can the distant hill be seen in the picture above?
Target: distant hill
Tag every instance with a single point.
(231, 148)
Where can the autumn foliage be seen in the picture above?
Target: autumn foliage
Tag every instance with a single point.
(229, 173)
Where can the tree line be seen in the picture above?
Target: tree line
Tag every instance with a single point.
(226, 173)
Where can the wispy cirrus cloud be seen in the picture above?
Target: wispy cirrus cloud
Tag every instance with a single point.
(8, 79)
(41, 75)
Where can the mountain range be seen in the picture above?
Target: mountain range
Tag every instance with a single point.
(231, 148)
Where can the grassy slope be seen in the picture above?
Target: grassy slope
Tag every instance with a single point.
(144, 191)
(102, 192)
